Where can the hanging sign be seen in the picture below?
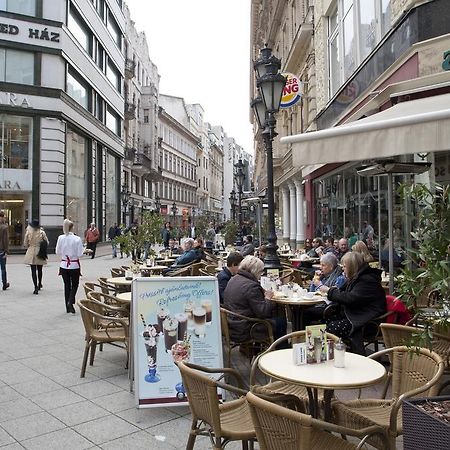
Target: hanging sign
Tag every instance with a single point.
(291, 92)
(173, 319)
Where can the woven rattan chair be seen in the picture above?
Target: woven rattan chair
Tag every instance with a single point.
(230, 421)
(286, 275)
(181, 271)
(117, 272)
(195, 268)
(283, 387)
(102, 324)
(90, 286)
(413, 373)
(279, 428)
(394, 335)
(211, 269)
(107, 288)
(110, 300)
(261, 334)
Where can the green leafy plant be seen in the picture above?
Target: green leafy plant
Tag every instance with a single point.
(230, 231)
(427, 265)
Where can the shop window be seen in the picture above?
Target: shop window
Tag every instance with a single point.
(26, 7)
(15, 141)
(16, 66)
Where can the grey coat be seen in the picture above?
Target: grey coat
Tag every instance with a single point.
(244, 295)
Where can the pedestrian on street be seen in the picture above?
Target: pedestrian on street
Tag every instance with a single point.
(4, 248)
(92, 235)
(69, 247)
(34, 235)
(114, 232)
(166, 234)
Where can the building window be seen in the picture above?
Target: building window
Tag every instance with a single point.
(99, 108)
(113, 121)
(77, 89)
(16, 66)
(76, 181)
(146, 116)
(114, 29)
(111, 190)
(79, 30)
(16, 138)
(27, 7)
(113, 75)
(355, 27)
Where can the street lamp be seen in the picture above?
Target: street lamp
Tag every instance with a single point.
(232, 199)
(157, 204)
(125, 198)
(174, 212)
(239, 177)
(270, 84)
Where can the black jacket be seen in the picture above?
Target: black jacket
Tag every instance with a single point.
(363, 298)
(223, 277)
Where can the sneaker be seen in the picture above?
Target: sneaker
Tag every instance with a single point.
(5, 286)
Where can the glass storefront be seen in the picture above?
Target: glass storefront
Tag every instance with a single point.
(16, 140)
(111, 193)
(76, 191)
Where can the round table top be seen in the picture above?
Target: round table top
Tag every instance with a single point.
(359, 371)
(119, 281)
(298, 301)
(125, 296)
(144, 267)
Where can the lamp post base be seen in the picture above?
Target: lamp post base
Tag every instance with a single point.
(271, 260)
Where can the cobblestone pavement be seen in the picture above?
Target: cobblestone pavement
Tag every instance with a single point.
(44, 404)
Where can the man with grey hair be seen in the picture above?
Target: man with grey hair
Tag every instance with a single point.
(330, 275)
(190, 254)
(342, 248)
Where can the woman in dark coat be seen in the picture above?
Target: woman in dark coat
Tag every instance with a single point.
(244, 295)
(362, 298)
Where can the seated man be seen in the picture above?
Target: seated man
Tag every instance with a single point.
(224, 276)
(331, 275)
(198, 246)
(189, 255)
(329, 246)
(174, 247)
(248, 248)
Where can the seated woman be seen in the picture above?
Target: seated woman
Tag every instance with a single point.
(331, 275)
(244, 295)
(362, 299)
(361, 247)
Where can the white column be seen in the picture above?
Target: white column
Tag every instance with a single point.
(292, 213)
(300, 213)
(285, 191)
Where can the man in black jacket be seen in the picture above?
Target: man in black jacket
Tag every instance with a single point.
(224, 276)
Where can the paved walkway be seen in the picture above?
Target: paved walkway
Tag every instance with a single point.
(44, 404)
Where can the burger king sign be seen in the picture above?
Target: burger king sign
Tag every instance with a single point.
(291, 92)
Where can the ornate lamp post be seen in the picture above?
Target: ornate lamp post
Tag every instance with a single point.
(157, 204)
(174, 212)
(239, 177)
(232, 199)
(270, 84)
(125, 199)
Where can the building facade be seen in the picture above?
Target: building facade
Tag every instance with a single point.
(61, 112)
(178, 161)
(374, 62)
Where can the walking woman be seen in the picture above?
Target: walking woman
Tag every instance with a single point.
(69, 247)
(34, 235)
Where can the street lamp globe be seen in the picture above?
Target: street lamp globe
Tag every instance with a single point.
(260, 111)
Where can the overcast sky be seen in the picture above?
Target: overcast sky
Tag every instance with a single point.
(201, 48)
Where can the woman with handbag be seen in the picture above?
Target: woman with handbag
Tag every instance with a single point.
(69, 247)
(36, 242)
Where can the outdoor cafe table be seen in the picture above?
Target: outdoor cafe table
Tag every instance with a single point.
(155, 269)
(165, 261)
(125, 296)
(297, 306)
(304, 263)
(359, 371)
(120, 282)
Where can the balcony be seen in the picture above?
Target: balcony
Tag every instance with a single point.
(130, 67)
(130, 111)
(142, 164)
(130, 151)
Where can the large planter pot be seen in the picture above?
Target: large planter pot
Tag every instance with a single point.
(422, 430)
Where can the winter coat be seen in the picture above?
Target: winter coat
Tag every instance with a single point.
(248, 249)
(363, 298)
(244, 295)
(32, 241)
(223, 277)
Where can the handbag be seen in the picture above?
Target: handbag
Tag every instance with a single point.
(43, 247)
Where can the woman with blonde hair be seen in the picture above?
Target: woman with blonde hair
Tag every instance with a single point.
(244, 295)
(361, 247)
(69, 247)
(362, 299)
(34, 235)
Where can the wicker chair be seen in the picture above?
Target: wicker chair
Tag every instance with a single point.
(413, 373)
(211, 269)
(182, 271)
(117, 272)
(283, 387)
(195, 268)
(230, 421)
(255, 343)
(107, 288)
(102, 324)
(279, 428)
(394, 335)
(90, 286)
(110, 300)
(203, 272)
(286, 275)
